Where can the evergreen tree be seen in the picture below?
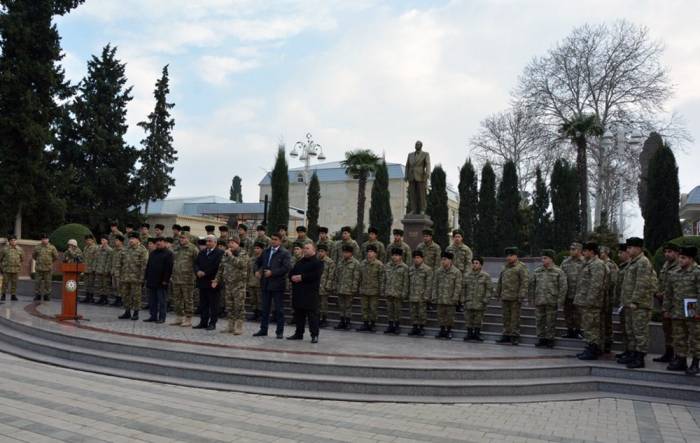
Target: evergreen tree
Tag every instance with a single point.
(313, 207)
(360, 163)
(541, 220)
(279, 203)
(380, 215)
(468, 201)
(31, 83)
(437, 206)
(565, 204)
(509, 222)
(236, 191)
(663, 198)
(651, 145)
(486, 235)
(158, 154)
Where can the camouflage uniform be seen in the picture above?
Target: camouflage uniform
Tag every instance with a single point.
(590, 290)
(116, 262)
(608, 306)
(44, 256)
(370, 286)
(638, 286)
(143, 236)
(183, 279)
(103, 270)
(90, 257)
(511, 290)
(12, 258)
(329, 246)
(682, 284)
(131, 274)
(347, 276)
(666, 269)
(327, 285)
(112, 237)
(254, 288)
(462, 257)
(264, 239)
(447, 291)
(431, 254)
(233, 271)
(406, 256)
(419, 292)
(478, 288)
(617, 302)
(338, 250)
(571, 267)
(547, 289)
(395, 289)
(73, 255)
(381, 250)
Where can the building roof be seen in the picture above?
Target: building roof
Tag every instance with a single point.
(332, 172)
(694, 196)
(177, 205)
(209, 205)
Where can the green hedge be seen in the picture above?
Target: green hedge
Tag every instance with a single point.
(60, 236)
(690, 240)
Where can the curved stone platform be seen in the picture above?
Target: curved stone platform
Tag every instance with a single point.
(344, 365)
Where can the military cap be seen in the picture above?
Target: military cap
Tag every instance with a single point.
(113, 223)
(223, 228)
(244, 227)
(281, 227)
(129, 226)
(104, 237)
(301, 228)
(396, 251)
(221, 242)
(73, 242)
(201, 241)
(689, 251)
(44, 235)
(323, 247)
(447, 254)
(89, 236)
(160, 226)
(671, 246)
(575, 245)
(160, 238)
(119, 237)
(622, 247)
(417, 253)
(427, 231)
(12, 237)
(372, 230)
(511, 251)
(260, 228)
(346, 229)
(604, 249)
(458, 231)
(259, 244)
(145, 225)
(397, 231)
(169, 239)
(186, 228)
(134, 235)
(591, 246)
(323, 229)
(151, 240)
(347, 248)
(235, 238)
(176, 227)
(635, 241)
(479, 258)
(548, 253)
(210, 228)
(372, 248)
(297, 244)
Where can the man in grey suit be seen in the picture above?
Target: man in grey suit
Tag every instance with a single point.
(417, 174)
(271, 268)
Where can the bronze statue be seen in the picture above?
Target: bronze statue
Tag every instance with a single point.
(417, 175)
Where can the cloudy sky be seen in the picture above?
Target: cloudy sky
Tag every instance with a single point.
(356, 73)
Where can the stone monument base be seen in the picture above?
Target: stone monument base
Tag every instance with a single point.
(413, 225)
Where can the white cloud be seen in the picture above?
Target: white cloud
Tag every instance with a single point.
(216, 69)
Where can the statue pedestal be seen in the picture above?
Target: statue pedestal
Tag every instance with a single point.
(413, 225)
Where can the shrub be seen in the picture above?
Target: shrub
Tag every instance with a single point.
(690, 240)
(60, 236)
(559, 258)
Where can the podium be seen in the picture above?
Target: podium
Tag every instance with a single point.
(71, 276)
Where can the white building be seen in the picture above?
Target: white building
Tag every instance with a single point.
(690, 210)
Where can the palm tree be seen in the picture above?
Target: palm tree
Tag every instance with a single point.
(359, 164)
(578, 130)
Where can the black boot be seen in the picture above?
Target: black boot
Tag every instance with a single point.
(323, 323)
(13, 297)
(679, 364)
(389, 329)
(590, 353)
(504, 339)
(621, 355)
(441, 334)
(448, 333)
(515, 340)
(693, 369)
(103, 300)
(638, 361)
(364, 327)
(397, 328)
(477, 335)
(126, 315)
(421, 331)
(348, 323)
(37, 297)
(470, 335)
(570, 333)
(414, 331)
(340, 325)
(541, 343)
(372, 327)
(666, 357)
(135, 315)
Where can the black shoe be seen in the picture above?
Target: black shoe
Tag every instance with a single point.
(541, 343)
(295, 337)
(442, 332)
(679, 364)
(13, 297)
(389, 329)
(37, 297)
(340, 325)
(372, 327)
(414, 331)
(459, 308)
(621, 355)
(211, 327)
(397, 329)
(135, 315)
(514, 340)
(421, 331)
(150, 320)
(47, 298)
(2, 298)
(667, 357)
(694, 367)
(364, 327)
(280, 336)
(504, 339)
(590, 353)
(570, 333)
(477, 335)
(162, 320)
(200, 326)
(627, 358)
(579, 334)
(469, 335)
(448, 333)
(348, 325)
(638, 361)
(323, 323)
(260, 334)
(314, 339)
(126, 315)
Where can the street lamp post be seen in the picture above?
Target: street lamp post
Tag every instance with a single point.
(306, 150)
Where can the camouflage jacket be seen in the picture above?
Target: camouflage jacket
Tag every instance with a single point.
(12, 258)
(264, 239)
(338, 250)
(347, 276)
(328, 277)
(513, 282)
(431, 254)
(420, 285)
(329, 246)
(90, 257)
(116, 261)
(611, 281)
(478, 288)
(183, 264)
(133, 264)
(396, 281)
(592, 283)
(381, 250)
(73, 256)
(253, 280)
(112, 237)
(547, 286)
(639, 283)
(143, 236)
(447, 286)
(371, 277)
(233, 270)
(666, 269)
(404, 247)
(103, 260)
(462, 257)
(617, 296)
(681, 284)
(44, 256)
(571, 268)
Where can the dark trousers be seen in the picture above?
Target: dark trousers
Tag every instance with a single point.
(268, 297)
(300, 316)
(157, 302)
(209, 306)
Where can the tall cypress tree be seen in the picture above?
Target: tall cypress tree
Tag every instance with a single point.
(380, 215)
(662, 222)
(31, 82)
(313, 206)
(565, 206)
(103, 186)
(509, 222)
(158, 154)
(541, 220)
(651, 145)
(437, 206)
(468, 201)
(486, 235)
(279, 204)
(236, 191)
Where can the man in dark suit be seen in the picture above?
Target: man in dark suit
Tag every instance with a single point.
(272, 268)
(306, 280)
(205, 268)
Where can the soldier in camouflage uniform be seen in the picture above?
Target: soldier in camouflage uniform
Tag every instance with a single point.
(463, 255)
(234, 271)
(369, 287)
(547, 288)
(431, 250)
(103, 269)
(478, 288)
(144, 233)
(345, 239)
(254, 288)
(590, 290)
(572, 266)
(327, 285)
(113, 232)
(670, 265)
(681, 284)
(182, 280)
(11, 265)
(302, 239)
(372, 234)
(395, 289)
(177, 232)
(606, 327)
(44, 255)
(323, 239)
(512, 290)
(285, 241)
(73, 254)
(624, 259)
(90, 257)
(115, 260)
(132, 270)
(447, 291)
(224, 234)
(158, 231)
(261, 236)
(399, 243)
(3, 246)
(420, 289)
(347, 277)
(637, 292)
(246, 242)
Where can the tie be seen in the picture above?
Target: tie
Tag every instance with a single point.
(269, 258)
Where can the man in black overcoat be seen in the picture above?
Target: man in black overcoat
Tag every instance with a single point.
(205, 268)
(306, 279)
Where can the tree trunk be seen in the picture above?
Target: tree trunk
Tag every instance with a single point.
(361, 186)
(146, 209)
(18, 221)
(602, 181)
(582, 170)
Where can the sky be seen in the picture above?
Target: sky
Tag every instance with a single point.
(247, 74)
